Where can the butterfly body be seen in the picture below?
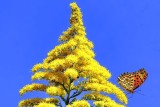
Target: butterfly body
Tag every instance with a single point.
(131, 81)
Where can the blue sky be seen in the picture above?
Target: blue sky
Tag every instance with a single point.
(126, 36)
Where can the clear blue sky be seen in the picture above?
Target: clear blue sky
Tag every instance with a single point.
(126, 36)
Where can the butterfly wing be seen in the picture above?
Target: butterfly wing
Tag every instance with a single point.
(126, 80)
(139, 77)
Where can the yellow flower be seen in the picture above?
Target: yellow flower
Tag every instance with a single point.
(79, 103)
(45, 105)
(72, 73)
(55, 91)
(31, 87)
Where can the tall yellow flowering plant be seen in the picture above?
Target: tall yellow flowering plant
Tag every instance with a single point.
(74, 76)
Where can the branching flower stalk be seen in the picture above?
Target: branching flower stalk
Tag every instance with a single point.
(71, 70)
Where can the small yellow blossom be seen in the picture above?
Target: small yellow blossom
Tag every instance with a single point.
(105, 100)
(34, 101)
(32, 87)
(45, 105)
(108, 88)
(55, 91)
(79, 103)
(72, 73)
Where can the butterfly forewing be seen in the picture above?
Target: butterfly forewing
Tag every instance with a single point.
(139, 78)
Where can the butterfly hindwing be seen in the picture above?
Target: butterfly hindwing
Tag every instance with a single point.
(126, 80)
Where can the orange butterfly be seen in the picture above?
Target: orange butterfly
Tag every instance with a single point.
(131, 81)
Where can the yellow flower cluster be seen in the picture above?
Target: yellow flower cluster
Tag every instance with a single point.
(54, 65)
(108, 88)
(93, 80)
(39, 75)
(73, 59)
(102, 100)
(45, 105)
(77, 29)
(82, 54)
(60, 49)
(57, 63)
(76, 16)
(71, 72)
(37, 67)
(67, 34)
(51, 76)
(107, 104)
(55, 91)
(82, 40)
(32, 87)
(86, 49)
(34, 101)
(94, 70)
(79, 103)
(111, 88)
